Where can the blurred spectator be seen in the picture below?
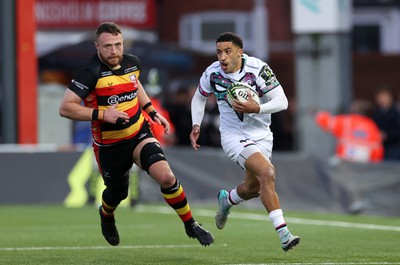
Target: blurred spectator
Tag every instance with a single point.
(1, 116)
(153, 90)
(210, 135)
(358, 137)
(180, 114)
(360, 106)
(282, 126)
(387, 117)
(398, 100)
(179, 108)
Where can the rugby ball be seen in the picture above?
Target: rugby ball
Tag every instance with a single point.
(238, 91)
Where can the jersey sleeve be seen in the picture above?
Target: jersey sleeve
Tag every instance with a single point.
(266, 79)
(134, 60)
(204, 86)
(83, 83)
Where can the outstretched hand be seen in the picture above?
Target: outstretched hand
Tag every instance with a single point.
(194, 136)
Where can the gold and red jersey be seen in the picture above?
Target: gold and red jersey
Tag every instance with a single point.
(102, 88)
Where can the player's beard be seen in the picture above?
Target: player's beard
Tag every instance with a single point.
(111, 61)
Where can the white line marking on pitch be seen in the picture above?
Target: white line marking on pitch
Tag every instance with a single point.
(262, 217)
(102, 247)
(326, 263)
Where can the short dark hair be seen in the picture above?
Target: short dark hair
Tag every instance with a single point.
(232, 37)
(108, 27)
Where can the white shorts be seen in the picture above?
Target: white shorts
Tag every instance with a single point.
(239, 148)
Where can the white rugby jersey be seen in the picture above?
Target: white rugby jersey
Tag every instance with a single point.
(257, 74)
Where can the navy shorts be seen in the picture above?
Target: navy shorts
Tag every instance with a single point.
(117, 159)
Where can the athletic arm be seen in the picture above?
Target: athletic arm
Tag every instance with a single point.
(277, 101)
(146, 105)
(71, 107)
(197, 106)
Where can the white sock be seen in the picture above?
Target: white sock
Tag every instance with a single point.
(234, 198)
(276, 217)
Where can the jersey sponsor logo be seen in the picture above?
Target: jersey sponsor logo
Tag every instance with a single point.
(79, 85)
(270, 79)
(115, 99)
(106, 73)
(106, 174)
(142, 135)
(131, 69)
(132, 78)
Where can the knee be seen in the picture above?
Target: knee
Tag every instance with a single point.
(123, 195)
(150, 154)
(114, 194)
(119, 194)
(162, 174)
(268, 175)
(166, 180)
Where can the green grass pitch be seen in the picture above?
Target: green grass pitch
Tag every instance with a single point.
(153, 234)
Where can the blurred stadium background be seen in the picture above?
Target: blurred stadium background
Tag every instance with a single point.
(325, 54)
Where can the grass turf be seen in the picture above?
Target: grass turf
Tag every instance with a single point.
(153, 234)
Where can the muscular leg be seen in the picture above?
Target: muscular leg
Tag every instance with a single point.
(249, 188)
(259, 181)
(162, 174)
(114, 193)
(150, 157)
(259, 167)
(175, 196)
(260, 171)
(172, 191)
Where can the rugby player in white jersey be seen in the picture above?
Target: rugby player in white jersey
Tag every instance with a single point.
(245, 129)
